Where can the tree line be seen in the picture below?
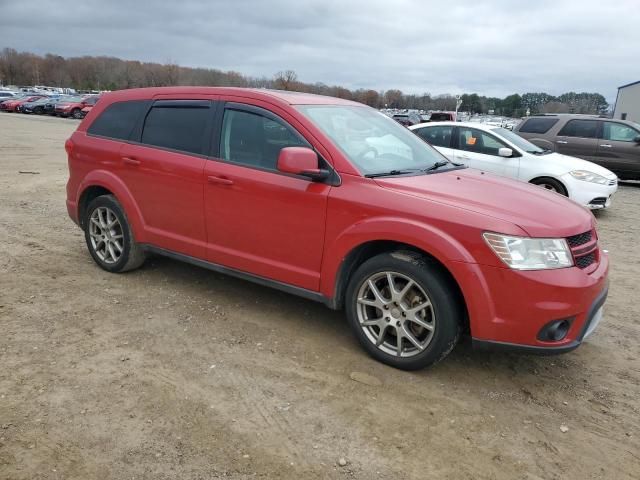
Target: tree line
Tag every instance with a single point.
(110, 73)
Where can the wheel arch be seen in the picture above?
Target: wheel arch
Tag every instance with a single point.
(551, 177)
(106, 183)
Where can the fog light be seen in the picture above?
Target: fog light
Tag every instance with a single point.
(555, 330)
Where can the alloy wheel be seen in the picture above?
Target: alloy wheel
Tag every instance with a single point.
(107, 238)
(395, 314)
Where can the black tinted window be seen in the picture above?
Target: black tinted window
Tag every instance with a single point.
(252, 139)
(117, 120)
(537, 125)
(178, 127)
(580, 128)
(438, 136)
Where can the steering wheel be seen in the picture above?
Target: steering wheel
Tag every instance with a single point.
(362, 154)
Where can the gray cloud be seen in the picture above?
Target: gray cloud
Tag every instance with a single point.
(494, 47)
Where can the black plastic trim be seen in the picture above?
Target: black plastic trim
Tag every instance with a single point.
(536, 350)
(285, 287)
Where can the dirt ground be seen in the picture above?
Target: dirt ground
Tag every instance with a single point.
(173, 371)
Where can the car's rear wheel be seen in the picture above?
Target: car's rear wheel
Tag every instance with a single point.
(109, 237)
(404, 310)
(550, 184)
(38, 110)
(76, 113)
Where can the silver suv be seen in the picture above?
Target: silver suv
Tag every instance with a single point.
(614, 144)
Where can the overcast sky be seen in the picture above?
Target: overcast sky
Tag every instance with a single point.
(492, 47)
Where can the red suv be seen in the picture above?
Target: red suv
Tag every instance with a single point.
(334, 201)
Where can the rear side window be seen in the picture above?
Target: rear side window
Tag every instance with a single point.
(177, 126)
(437, 136)
(580, 128)
(117, 120)
(538, 125)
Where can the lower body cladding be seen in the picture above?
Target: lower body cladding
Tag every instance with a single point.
(541, 312)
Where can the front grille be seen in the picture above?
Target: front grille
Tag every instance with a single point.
(613, 182)
(580, 239)
(598, 201)
(586, 260)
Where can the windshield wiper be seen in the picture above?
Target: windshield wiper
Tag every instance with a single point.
(436, 166)
(391, 173)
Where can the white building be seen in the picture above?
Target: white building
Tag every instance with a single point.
(628, 102)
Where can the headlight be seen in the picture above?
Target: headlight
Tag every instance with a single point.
(588, 176)
(523, 253)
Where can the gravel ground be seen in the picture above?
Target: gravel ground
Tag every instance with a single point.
(173, 371)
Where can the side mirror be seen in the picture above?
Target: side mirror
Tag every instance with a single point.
(505, 152)
(301, 161)
(637, 139)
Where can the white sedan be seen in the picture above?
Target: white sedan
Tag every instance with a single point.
(502, 152)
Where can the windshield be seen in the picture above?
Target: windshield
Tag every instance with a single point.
(69, 100)
(372, 141)
(518, 141)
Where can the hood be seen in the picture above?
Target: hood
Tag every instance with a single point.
(574, 163)
(538, 212)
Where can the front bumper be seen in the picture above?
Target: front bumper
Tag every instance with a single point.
(509, 308)
(594, 316)
(592, 195)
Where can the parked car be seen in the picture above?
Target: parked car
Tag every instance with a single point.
(72, 107)
(89, 106)
(288, 190)
(36, 106)
(14, 104)
(612, 143)
(6, 95)
(50, 106)
(502, 152)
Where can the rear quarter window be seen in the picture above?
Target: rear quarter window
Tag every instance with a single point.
(117, 120)
(538, 125)
(177, 126)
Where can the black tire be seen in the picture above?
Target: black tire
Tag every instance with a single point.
(132, 255)
(38, 110)
(76, 113)
(550, 184)
(448, 308)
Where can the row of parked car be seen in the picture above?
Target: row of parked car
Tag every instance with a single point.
(39, 104)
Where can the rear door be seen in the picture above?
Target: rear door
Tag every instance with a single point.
(260, 220)
(579, 138)
(439, 136)
(163, 168)
(619, 150)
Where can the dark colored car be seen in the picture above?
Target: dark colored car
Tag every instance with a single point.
(36, 106)
(328, 199)
(612, 143)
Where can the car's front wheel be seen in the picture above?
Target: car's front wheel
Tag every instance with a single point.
(550, 184)
(404, 310)
(76, 113)
(109, 237)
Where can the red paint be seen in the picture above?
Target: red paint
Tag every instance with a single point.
(289, 229)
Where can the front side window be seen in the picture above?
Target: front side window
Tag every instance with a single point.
(255, 140)
(374, 143)
(117, 120)
(439, 136)
(177, 127)
(580, 128)
(472, 140)
(617, 132)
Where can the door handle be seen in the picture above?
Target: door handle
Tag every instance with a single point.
(605, 145)
(219, 180)
(130, 161)
(563, 142)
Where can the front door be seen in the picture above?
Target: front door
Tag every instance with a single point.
(259, 220)
(478, 149)
(439, 136)
(619, 149)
